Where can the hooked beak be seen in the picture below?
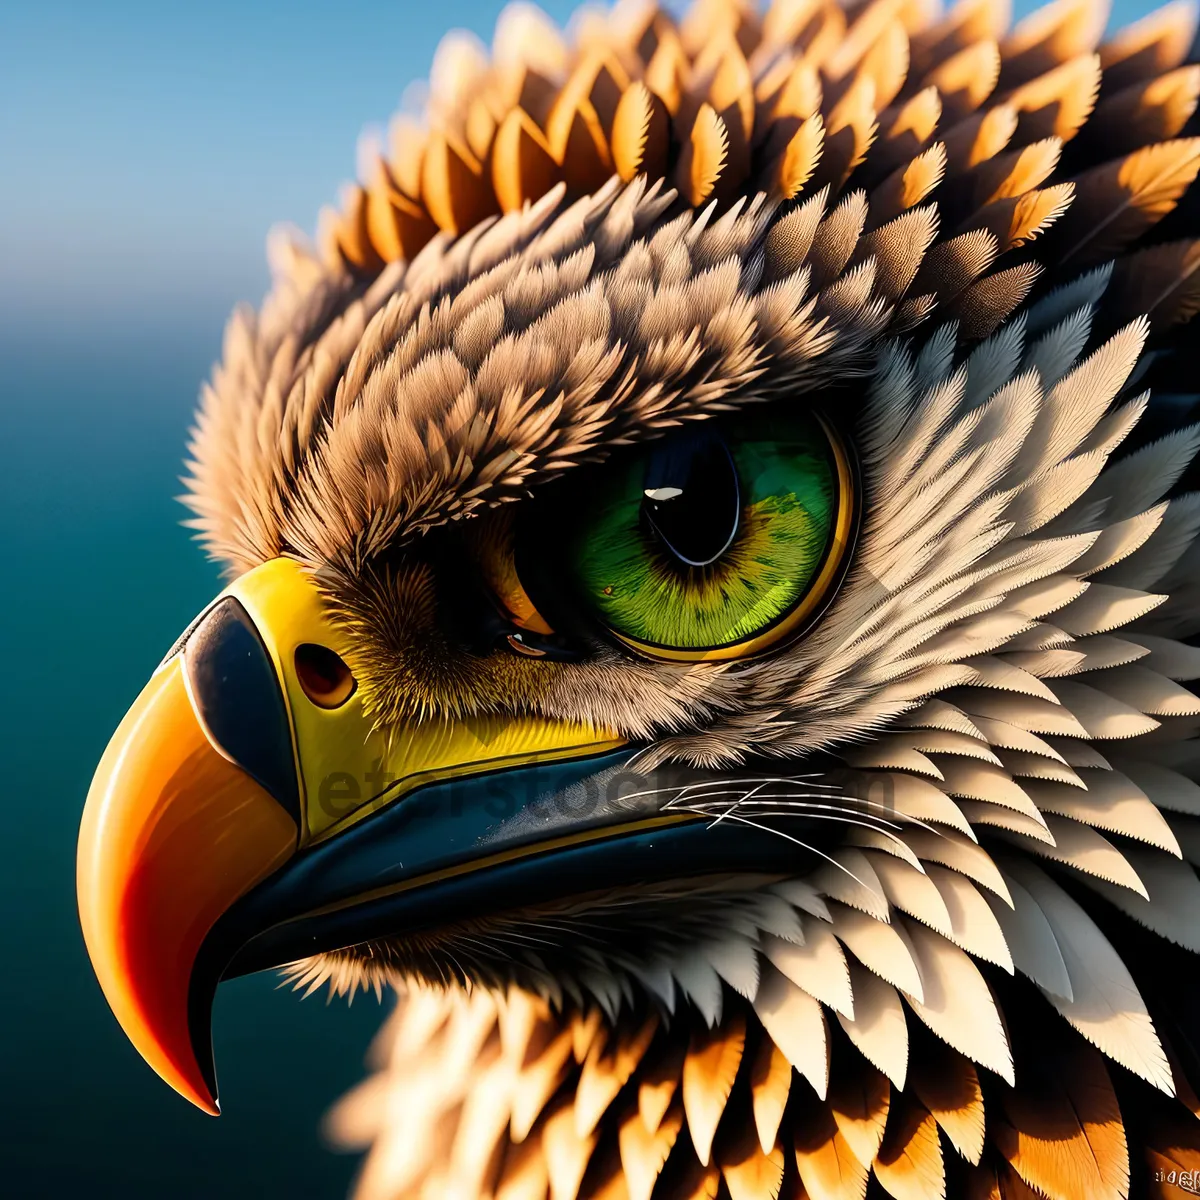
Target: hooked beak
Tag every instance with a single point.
(242, 762)
(248, 813)
(172, 834)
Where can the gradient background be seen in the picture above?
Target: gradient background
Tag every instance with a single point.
(145, 149)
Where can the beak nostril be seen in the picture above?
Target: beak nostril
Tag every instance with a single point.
(326, 679)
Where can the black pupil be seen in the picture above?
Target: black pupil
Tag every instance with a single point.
(691, 499)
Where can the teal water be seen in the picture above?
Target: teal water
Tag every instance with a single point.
(96, 579)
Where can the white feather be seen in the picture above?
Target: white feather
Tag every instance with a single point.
(996, 817)
(1107, 1007)
(912, 892)
(1174, 902)
(773, 914)
(736, 961)
(698, 981)
(879, 947)
(1166, 788)
(958, 1005)
(795, 1023)
(961, 855)
(975, 927)
(890, 843)
(946, 741)
(879, 1029)
(1081, 847)
(819, 966)
(974, 780)
(851, 879)
(1175, 660)
(1052, 355)
(1104, 607)
(803, 896)
(1031, 941)
(923, 801)
(1111, 801)
(1085, 291)
(1102, 715)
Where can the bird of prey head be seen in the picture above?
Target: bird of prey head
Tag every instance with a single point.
(710, 569)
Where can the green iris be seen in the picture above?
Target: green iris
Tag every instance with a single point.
(783, 484)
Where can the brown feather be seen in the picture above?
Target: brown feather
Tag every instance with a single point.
(1015, 220)
(859, 1098)
(909, 1164)
(1057, 103)
(524, 1174)
(1150, 46)
(1062, 1130)
(644, 1152)
(966, 23)
(966, 80)
(566, 1151)
(693, 1180)
(1160, 281)
(898, 249)
(658, 1080)
(641, 133)
(1119, 201)
(711, 1065)
(770, 1085)
(904, 131)
(406, 148)
(1050, 36)
(750, 1173)
(886, 63)
(835, 239)
(607, 1069)
(453, 187)
(828, 1168)
(538, 1081)
(703, 158)
(1143, 113)
(800, 157)
(798, 96)
(397, 226)
(667, 72)
(946, 1083)
(351, 234)
(1008, 175)
(731, 90)
(907, 186)
(849, 130)
(523, 166)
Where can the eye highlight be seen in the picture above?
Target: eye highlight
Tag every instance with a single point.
(691, 498)
(324, 676)
(716, 545)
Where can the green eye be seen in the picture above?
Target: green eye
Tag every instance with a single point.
(715, 544)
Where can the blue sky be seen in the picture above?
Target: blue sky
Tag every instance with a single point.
(148, 145)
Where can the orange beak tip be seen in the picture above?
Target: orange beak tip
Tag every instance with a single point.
(172, 835)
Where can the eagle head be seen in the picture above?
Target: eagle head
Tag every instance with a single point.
(710, 562)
